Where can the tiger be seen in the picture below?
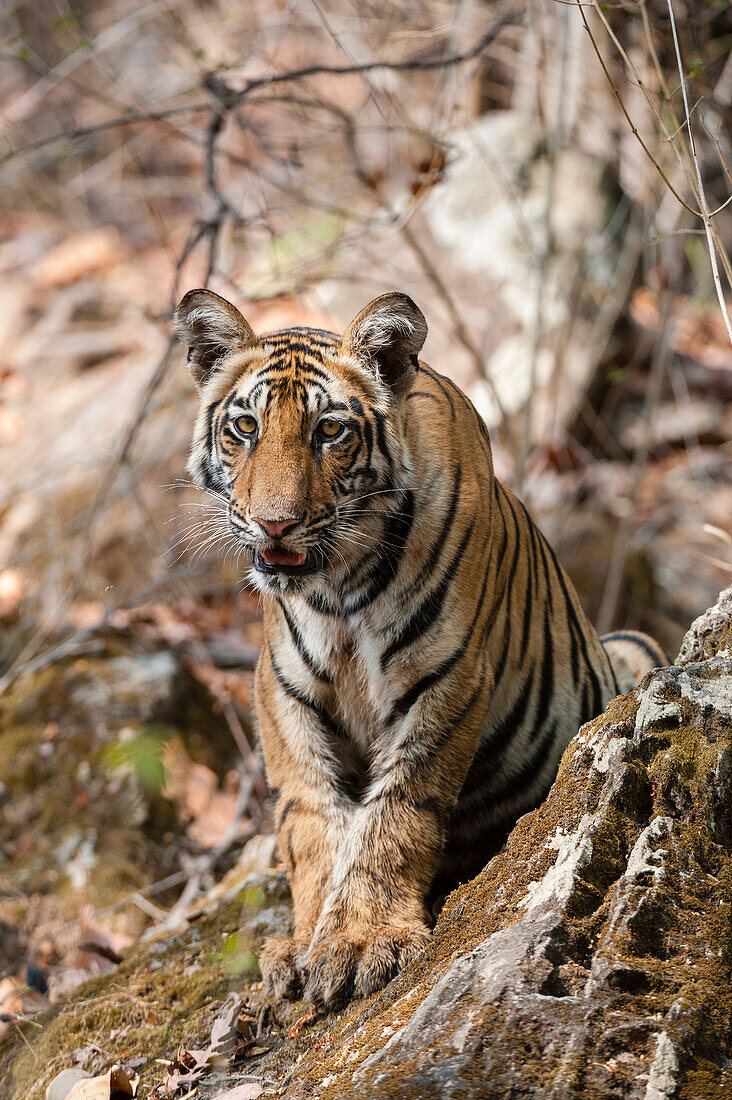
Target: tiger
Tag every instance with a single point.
(425, 657)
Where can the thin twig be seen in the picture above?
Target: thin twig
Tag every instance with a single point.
(545, 249)
(700, 183)
(629, 120)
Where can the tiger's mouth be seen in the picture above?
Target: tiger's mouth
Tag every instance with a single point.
(275, 559)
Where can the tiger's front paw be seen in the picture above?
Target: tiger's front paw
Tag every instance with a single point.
(281, 970)
(340, 966)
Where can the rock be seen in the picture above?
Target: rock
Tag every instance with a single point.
(711, 634)
(62, 1085)
(589, 960)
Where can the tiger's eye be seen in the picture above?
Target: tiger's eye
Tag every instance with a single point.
(245, 425)
(330, 428)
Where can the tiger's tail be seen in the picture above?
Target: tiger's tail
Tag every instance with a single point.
(632, 655)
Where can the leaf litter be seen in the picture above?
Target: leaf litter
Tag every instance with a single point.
(233, 1036)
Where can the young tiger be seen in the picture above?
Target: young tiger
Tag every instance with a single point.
(425, 660)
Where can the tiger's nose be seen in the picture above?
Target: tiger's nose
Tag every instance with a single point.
(276, 527)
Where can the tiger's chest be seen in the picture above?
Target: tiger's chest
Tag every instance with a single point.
(360, 689)
(337, 663)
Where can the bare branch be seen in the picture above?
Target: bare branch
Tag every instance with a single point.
(229, 98)
(700, 183)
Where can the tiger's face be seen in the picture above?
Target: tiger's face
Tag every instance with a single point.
(300, 433)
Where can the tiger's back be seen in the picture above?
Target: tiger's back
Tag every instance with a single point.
(548, 669)
(426, 659)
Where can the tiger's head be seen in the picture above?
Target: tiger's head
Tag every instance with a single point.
(300, 434)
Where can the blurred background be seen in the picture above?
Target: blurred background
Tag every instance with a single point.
(524, 170)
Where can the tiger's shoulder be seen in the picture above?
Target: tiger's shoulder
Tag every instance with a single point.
(442, 414)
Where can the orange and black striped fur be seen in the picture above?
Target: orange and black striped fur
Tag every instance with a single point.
(426, 659)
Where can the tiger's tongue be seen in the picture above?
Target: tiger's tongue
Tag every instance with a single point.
(277, 556)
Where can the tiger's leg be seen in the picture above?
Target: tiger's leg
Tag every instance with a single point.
(308, 844)
(374, 920)
(311, 818)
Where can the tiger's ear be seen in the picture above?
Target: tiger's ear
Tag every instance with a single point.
(209, 326)
(388, 335)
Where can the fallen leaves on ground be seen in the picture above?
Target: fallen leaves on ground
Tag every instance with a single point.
(19, 1002)
(97, 940)
(231, 1034)
(79, 255)
(77, 1085)
(208, 810)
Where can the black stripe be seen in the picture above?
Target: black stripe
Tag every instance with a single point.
(448, 518)
(531, 766)
(381, 442)
(467, 816)
(298, 642)
(212, 481)
(495, 741)
(439, 379)
(286, 369)
(429, 751)
(422, 393)
(368, 432)
(629, 636)
(300, 347)
(407, 701)
(318, 709)
(291, 805)
(319, 603)
(426, 614)
(576, 626)
(546, 682)
(396, 532)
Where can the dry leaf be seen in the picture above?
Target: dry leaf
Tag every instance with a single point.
(189, 1065)
(208, 810)
(310, 1015)
(225, 1031)
(96, 939)
(76, 1084)
(18, 1002)
(63, 1083)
